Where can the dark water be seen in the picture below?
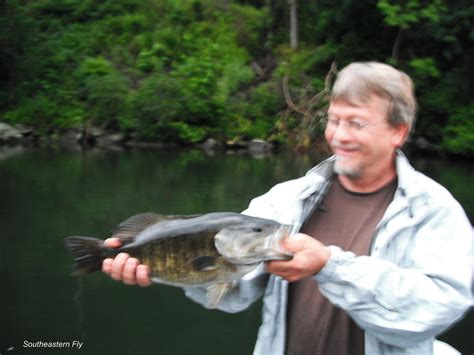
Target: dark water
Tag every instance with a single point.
(47, 194)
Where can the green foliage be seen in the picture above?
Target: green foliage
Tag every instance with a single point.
(425, 68)
(235, 75)
(242, 128)
(459, 132)
(185, 70)
(154, 104)
(102, 89)
(250, 27)
(39, 109)
(187, 133)
(44, 113)
(253, 116)
(305, 61)
(94, 67)
(266, 100)
(404, 13)
(198, 76)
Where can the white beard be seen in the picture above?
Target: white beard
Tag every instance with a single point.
(342, 167)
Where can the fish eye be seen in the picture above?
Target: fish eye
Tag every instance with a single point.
(257, 229)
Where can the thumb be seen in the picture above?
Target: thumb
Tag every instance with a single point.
(294, 243)
(112, 243)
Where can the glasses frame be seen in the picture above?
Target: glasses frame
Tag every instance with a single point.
(351, 125)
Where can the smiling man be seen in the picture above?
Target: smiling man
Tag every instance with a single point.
(365, 128)
(382, 254)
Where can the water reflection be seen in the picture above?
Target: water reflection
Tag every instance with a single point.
(48, 194)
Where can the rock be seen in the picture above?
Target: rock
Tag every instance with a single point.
(110, 140)
(231, 144)
(95, 132)
(211, 145)
(9, 134)
(139, 144)
(24, 129)
(259, 146)
(71, 138)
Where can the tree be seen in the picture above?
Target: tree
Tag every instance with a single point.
(293, 24)
(406, 13)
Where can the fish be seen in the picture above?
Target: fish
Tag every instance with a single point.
(212, 250)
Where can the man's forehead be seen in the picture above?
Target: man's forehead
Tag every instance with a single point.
(373, 102)
(336, 104)
(359, 101)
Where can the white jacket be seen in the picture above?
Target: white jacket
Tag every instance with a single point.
(415, 283)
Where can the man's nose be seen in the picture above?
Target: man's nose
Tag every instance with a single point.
(342, 132)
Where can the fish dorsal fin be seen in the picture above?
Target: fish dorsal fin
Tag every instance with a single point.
(215, 293)
(128, 229)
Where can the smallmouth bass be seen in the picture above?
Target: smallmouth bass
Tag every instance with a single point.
(211, 250)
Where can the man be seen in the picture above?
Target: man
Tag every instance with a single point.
(382, 254)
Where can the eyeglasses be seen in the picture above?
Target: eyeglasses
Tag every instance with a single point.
(352, 125)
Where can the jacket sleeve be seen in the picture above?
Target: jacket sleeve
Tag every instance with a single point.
(421, 287)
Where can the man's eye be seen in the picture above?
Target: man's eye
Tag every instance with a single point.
(357, 124)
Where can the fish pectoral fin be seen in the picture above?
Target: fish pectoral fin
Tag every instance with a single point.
(204, 263)
(216, 292)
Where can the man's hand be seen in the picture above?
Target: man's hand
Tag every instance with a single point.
(309, 256)
(124, 268)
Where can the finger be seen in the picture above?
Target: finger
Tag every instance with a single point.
(107, 265)
(118, 265)
(112, 243)
(129, 271)
(143, 275)
(286, 272)
(294, 243)
(277, 267)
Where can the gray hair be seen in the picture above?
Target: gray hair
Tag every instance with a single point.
(357, 81)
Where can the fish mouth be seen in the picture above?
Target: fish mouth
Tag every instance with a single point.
(273, 241)
(270, 250)
(258, 258)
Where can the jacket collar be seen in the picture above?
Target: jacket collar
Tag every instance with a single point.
(317, 177)
(324, 171)
(405, 173)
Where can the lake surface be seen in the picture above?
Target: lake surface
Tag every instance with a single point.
(46, 195)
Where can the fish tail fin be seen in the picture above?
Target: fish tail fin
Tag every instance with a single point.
(88, 254)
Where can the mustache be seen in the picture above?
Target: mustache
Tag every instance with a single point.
(335, 144)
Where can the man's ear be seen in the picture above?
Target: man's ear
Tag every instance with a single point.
(400, 135)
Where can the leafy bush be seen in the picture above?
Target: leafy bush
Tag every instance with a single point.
(103, 90)
(187, 133)
(254, 115)
(154, 105)
(459, 132)
(39, 110)
(425, 68)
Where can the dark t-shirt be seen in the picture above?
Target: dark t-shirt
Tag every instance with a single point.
(348, 220)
